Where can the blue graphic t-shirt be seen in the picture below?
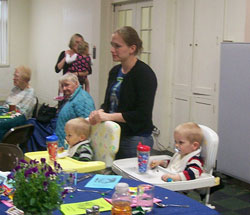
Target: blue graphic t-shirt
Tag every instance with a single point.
(115, 92)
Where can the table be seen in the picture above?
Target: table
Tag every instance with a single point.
(7, 124)
(195, 208)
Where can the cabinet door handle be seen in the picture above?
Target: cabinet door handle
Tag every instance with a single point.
(196, 44)
(190, 44)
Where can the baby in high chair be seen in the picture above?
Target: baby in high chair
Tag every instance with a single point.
(77, 133)
(186, 163)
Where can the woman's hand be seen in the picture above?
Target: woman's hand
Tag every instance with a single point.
(97, 116)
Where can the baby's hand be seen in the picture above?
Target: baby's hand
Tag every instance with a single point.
(154, 164)
(60, 149)
(166, 176)
(174, 177)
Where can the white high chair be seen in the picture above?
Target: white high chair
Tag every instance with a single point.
(128, 168)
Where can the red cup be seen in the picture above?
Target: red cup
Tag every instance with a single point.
(52, 150)
(12, 107)
(52, 145)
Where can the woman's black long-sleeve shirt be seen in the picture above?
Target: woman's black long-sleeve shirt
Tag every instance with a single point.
(136, 100)
(65, 67)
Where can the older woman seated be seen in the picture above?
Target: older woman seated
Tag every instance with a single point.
(77, 103)
(22, 95)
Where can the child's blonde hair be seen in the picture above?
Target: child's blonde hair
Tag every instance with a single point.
(83, 48)
(191, 131)
(80, 126)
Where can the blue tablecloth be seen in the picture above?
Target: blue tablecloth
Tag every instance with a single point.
(195, 208)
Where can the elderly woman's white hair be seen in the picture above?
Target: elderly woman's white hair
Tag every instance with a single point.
(69, 77)
(25, 73)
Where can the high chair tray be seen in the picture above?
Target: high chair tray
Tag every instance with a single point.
(128, 169)
(67, 163)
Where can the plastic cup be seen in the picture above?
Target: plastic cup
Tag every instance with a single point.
(145, 197)
(143, 154)
(12, 107)
(52, 145)
(69, 180)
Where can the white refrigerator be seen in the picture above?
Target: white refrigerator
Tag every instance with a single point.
(234, 111)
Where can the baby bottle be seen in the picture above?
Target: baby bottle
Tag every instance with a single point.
(143, 153)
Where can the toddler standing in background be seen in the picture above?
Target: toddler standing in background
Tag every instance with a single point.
(77, 133)
(81, 66)
(186, 163)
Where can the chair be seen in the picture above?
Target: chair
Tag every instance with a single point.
(9, 156)
(128, 168)
(19, 135)
(105, 140)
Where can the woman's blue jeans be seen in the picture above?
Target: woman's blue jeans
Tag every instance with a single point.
(128, 145)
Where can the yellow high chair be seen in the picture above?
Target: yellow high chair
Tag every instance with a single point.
(105, 139)
(128, 168)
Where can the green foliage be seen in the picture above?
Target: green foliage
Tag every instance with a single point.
(37, 187)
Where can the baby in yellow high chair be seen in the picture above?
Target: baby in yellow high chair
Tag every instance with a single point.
(77, 133)
(186, 163)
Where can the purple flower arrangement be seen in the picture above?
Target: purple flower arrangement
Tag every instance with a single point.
(37, 187)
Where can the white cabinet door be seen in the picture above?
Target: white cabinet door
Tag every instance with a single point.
(184, 45)
(208, 31)
(203, 111)
(180, 114)
(199, 31)
(192, 108)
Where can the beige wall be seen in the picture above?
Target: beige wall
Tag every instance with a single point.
(235, 20)
(39, 31)
(105, 55)
(19, 43)
(247, 34)
(51, 26)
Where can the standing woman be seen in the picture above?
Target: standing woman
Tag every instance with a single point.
(130, 93)
(67, 57)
